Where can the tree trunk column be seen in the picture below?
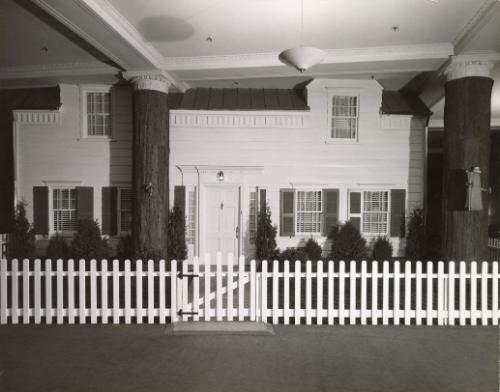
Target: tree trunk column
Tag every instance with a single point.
(150, 160)
(466, 144)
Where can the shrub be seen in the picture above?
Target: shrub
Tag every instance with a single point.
(292, 255)
(347, 243)
(57, 248)
(21, 240)
(125, 248)
(265, 239)
(87, 242)
(313, 250)
(382, 249)
(176, 235)
(415, 239)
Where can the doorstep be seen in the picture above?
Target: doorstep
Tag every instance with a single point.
(219, 328)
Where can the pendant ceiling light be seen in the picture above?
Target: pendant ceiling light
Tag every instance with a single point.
(303, 57)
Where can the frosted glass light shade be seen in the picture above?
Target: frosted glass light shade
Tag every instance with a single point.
(302, 58)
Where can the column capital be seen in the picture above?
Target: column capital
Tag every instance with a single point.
(471, 64)
(149, 80)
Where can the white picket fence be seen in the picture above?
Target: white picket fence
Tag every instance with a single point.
(365, 293)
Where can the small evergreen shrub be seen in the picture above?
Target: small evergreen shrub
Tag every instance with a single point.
(415, 239)
(176, 235)
(292, 255)
(347, 243)
(57, 248)
(313, 250)
(382, 249)
(125, 248)
(87, 242)
(21, 240)
(265, 239)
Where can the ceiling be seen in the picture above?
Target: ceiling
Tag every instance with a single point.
(228, 43)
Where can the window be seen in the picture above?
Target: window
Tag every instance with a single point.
(375, 213)
(191, 218)
(252, 218)
(125, 210)
(309, 212)
(98, 114)
(64, 209)
(344, 117)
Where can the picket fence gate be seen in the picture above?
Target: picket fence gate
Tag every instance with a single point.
(330, 294)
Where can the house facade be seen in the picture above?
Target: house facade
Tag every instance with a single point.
(338, 150)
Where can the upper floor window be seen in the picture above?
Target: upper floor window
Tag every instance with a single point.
(344, 117)
(96, 112)
(309, 212)
(64, 209)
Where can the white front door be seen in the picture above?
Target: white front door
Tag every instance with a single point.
(221, 213)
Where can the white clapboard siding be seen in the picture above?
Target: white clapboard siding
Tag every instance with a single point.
(410, 296)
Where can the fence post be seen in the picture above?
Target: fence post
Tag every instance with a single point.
(116, 292)
(385, 292)
(308, 292)
(298, 293)
(93, 291)
(37, 294)
(207, 286)
(3, 291)
(81, 282)
(230, 288)
(71, 291)
(151, 292)
(440, 293)
(484, 293)
(60, 291)
(473, 293)
(418, 294)
(407, 305)
(127, 303)
(184, 284)
(451, 293)
(14, 278)
(396, 292)
(104, 291)
(26, 291)
(218, 287)
(253, 293)
(263, 290)
(161, 292)
(241, 288)
(48, 291)
(319, 292)
(341, 292)
(494, 285)
(286, 290)
(196, 288)
(275, 292)
(352, 293)
(430, 282)
(138, 291)
(331, 286)
(173, 292)
(364, 307)
(374, 293)
(463, 277)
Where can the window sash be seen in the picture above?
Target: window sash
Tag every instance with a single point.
(64, 209)
(375, 213)
(344, 117)
(309, 212)
(98, 113)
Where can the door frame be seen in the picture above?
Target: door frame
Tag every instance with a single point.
(204, 188)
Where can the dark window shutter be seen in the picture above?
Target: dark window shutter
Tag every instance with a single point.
(355, 202)
(398, 207)
(180, 198)
(262, 199)
(85, 202)
(287, 209)
(356, 221)
(41, 209)
(330, 209)
(109, 210)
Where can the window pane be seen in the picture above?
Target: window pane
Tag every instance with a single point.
(375, 212)
(344, 117)
(309, 211)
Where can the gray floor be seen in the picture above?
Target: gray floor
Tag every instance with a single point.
(298, 358)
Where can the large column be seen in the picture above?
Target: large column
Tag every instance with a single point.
(150, 151)
(466, 144)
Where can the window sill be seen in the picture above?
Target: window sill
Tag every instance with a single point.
(101, 139)
(342, 141)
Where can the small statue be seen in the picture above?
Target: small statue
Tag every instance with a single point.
(474, 200)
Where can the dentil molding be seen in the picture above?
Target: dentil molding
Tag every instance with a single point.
(37, 116)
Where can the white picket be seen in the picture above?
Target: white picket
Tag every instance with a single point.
(161, 292)
(331, 286)
(494, 294)
(206, 302)
(138, 291)
(71, 291)
(298, 279)
(308, 293)
(263, 304)
(275, 311)
(253, 292)
(430, 282)
(37, 293)
(3, 291)
(451, 293)
(374, 293)
(352, 293)
(14, 278)
(418, 294)
(440, 293)
(364, 307)
(484, 293)
(473, 293)
(463, 275)
(173, 291)
(60, 291)
(196, 288)
(385, 293)
(116, 292)
(81, 289)
(48, 290)
(127, 286)
(151, 292)
(104, 291)
(241, 288)
(319, 292)
(341, 292)
(26, 291)
(184, 283)
(286, 292)
(396, 293)
(408, 291)
(93, 292)
(218, 287)
(230, 288)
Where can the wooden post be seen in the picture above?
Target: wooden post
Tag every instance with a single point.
(466, 144)
(150, 152)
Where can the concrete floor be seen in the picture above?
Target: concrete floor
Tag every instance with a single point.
(298, 358)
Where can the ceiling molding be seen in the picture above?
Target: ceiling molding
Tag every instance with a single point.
(333, 56)
(51, 70)
(486, 11)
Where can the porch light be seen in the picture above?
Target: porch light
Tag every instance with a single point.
(220, 176)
